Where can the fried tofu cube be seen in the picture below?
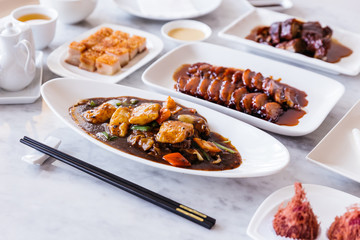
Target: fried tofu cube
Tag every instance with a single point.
(74, 53)
(88, 60)
(121, 53)
(107, 64)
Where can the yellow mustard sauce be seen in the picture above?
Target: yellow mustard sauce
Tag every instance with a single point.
(186, 34)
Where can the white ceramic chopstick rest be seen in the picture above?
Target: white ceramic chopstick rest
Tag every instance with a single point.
(39, 158)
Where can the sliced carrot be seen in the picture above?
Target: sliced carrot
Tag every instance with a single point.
(169, 103)
(177, 160)
(207, 146)
(165, 114)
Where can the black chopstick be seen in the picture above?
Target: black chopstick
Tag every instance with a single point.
(124, 184)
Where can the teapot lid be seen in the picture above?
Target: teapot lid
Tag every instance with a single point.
(9, 30)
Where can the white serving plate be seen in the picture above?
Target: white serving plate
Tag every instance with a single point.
(262, 154)
(274, 5)
(56, 60)
(338, 151)
(323, 92)
(28, 94)
(327, 203)
(200, 8)
(241, 27)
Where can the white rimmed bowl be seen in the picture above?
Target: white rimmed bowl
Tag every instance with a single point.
(167, 27)
(71, 11)
(43, 30)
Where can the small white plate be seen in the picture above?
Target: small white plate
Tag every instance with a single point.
(262, 154)
(28, 94)
(160, 76)
(338, 150)
(241, 27)
(192, 24)
(327, 203)
(274, 5)
(198, 8)
(56, 60)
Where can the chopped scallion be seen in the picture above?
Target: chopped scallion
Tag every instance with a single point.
(92, 103)
(133, 101)
(224, 148)
(140, 128)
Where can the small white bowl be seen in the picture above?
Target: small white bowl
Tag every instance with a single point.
(71, 11)
(166, 28)
(43, 30)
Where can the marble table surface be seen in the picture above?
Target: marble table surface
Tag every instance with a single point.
(55, 201)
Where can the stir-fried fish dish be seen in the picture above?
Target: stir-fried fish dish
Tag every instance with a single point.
(164, 132)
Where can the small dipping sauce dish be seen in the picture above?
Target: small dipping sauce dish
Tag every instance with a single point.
(183, 31)
(42, 21)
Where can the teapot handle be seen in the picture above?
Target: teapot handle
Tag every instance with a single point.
(27, 46)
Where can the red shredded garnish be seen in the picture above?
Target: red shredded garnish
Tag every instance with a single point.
(297, 219)
(347, 226)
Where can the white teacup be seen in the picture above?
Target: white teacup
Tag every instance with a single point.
(42, 21)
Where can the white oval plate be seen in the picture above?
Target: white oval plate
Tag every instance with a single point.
(338, 150)
(323, 92)
(327, 203)
(56, 60)
(172, 10)
(241, 27)
(262, 154)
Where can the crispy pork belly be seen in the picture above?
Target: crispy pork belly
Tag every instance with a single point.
(107, 64)
(121, 53)
(141, 42)
(88, 60)
(121, 35)
(95, 38)
(74, 53)
(132, 45)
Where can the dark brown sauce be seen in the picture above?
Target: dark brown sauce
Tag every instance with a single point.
(335, 53)
(229, 160)
(290, 117)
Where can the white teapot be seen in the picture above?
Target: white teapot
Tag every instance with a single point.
(17, 57)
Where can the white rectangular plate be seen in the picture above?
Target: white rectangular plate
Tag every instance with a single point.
(241, 27)
(327, 203)
(323, 92)
(262, 154)
(56, 60)
(28, 94)
(338, 150)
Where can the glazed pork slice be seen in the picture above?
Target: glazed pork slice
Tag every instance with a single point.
(74, 52)
(107, 64)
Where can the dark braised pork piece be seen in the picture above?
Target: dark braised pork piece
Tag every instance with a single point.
(246, 91)
(307, 38)
(297, 219)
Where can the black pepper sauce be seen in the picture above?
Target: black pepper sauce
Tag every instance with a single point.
(229, 160)
(335, 53)
(290, 117)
